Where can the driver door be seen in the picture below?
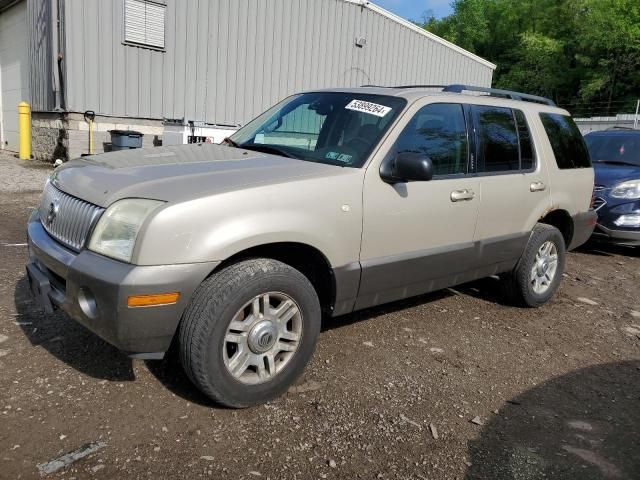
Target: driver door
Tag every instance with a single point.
(418, 236)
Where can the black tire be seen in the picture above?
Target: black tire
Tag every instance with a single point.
(517, 284)
(207, 317)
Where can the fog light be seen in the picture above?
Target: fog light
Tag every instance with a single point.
(153, 300)
(632, 220)
(87, 302)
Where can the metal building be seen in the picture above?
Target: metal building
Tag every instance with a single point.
(137, 63)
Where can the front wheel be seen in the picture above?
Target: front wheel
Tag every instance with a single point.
(539, 271)
(249, 331)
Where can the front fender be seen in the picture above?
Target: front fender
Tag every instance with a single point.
(216, 228)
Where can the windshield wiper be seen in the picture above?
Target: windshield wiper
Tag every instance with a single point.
(268, 149)
(618, 162)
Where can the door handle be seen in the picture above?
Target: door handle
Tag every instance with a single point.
(459, 195)
(537, 187)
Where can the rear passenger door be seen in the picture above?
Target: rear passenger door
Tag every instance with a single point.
(514, 184)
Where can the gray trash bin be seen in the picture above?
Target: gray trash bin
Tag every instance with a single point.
(125, 139)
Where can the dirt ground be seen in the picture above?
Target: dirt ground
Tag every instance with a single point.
(392, 392)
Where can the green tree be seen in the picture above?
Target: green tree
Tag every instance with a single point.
(609, 43)
(583, 53)
(538, 66)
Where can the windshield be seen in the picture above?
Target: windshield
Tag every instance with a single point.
(618, 148)
(336, 128)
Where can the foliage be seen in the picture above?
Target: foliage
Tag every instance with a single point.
(585, 54)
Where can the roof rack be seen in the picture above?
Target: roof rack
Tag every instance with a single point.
(405, 86)
(494, 92)
(421, 86)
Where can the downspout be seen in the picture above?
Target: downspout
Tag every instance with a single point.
(61, 100)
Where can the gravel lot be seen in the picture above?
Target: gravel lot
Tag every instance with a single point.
(21, 176)
(453, 384)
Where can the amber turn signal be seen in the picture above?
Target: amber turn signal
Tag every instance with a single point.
(153, 300)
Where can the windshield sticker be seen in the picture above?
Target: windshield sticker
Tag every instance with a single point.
(368, 107)
(259, 138)
(340, 157)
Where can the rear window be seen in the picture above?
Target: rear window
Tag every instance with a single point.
(614, 148)
(566, 141)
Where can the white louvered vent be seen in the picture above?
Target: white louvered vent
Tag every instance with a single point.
(144, 23)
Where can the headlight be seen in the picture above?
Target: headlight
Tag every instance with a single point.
(631, 220)
(629, 190)
(116, 231)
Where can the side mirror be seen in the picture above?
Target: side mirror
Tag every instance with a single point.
(407, 167)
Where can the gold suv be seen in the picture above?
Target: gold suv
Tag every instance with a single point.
(329, 202)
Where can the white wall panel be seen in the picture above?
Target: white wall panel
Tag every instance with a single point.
(14, 71)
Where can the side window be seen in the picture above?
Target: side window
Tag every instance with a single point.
(498, 149)
(566, 141)
(438, 130)
(524, 137)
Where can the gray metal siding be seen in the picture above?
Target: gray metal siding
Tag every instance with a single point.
(102, 73)
(228, 60)
(41, 55)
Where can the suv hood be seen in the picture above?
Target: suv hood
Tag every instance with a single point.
(178, 173)
(608, 174)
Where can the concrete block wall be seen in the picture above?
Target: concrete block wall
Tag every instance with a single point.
(49, 136)
(66, 135)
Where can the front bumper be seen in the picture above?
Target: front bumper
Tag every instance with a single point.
(93, 290)
(617, 237)
(606, 229)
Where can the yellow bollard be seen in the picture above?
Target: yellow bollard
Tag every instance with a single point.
(24, 129)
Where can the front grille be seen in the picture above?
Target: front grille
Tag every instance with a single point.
(598, 188)
(66, 218)
(598, 203)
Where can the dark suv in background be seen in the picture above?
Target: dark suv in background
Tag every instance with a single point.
(616, 160)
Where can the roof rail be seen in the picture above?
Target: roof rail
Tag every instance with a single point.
(405, 86)
(496, 92)
(421, 86)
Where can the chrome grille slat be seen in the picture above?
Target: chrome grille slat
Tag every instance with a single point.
(598, 203)
(73, 219)
(64, 224)
(65, 210)
(81, 217)
(85, 218)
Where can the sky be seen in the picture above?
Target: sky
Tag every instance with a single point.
(413, 9)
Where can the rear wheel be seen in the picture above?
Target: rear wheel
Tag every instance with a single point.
(249, 331)
(539, 271)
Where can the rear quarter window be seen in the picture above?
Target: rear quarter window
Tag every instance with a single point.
(566, 141)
